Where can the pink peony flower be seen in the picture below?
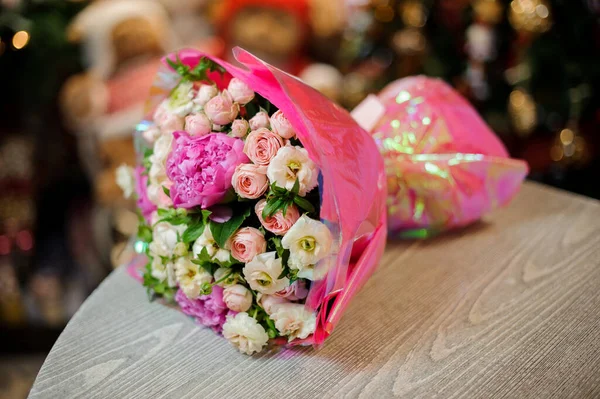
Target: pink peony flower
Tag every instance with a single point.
(282, 126)
(208, 310)
(221, 109)
(141, 188)
(277, 224)
(250, 181)
(293, 292)
(259, 121)
(240, 91)
(239, 128)
(262, 145)
(197, 124)
(200, 168)
(246, 243)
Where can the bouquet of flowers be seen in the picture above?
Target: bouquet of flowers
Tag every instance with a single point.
(263, 203)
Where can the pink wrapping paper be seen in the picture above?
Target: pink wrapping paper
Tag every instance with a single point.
(445, 168)
(353, 183)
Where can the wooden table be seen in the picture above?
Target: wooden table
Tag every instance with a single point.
(509, 307)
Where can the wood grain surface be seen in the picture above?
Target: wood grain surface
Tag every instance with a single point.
(509, 307)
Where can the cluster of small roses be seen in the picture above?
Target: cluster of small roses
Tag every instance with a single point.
(226, 190)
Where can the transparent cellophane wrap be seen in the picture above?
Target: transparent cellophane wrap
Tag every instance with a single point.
(352, 184)
(445, 167)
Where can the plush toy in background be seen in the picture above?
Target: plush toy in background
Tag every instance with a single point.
(279, 31)
(122, 42)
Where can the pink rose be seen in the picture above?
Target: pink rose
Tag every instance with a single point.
(293, 292)
(240, 91)
(239, 128)
(205, 93)
(269, 302)
(167, 121)
(250, 181)
(197, 124)
(282, 126)
(246, 243)
(237, 298)
(262, 145)
(200, 168)
(143, 202)
(260, 120)
(277, 224)
(221, 109)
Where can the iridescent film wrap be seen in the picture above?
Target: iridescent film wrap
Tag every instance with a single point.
(445, 167)
(352, 183)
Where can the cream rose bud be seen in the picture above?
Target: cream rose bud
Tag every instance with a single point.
(240, 91)
(269, 302)
(262, 273)
(163, 272)
(221, 109)
(151, 134)
(260, 121)
(205, 94)
(207, 241)
(246, 243)
(245, 333)
(294, 320)
(250, 181)
(126, 180)
(164, 238)
(166, 119)
(277, 223)
(237, 298)
(181, 98)
(282, 126)
(191, 277)
(308, 241)
(262, 145)
(291, 164)
(197, 124)
(239, 128)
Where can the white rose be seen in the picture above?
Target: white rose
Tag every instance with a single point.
(191, 277)
(164, 238)
(126, 180)
(240, 91)
(166, 120)
(245, 333)
(237, 298)
(262, 273)
(163, 272)
(162, 149)
(269, 302)
(205, 93)
(309, 241)
(312, 272)
(181, 99)
(207, 241)
(293, 163)
(294, 320)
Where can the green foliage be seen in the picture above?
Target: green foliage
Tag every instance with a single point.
(280, 199)
(222, 231)
(195, 226)
(199, 72)
(156, 288)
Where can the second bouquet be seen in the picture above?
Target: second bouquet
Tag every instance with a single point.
(263, 203)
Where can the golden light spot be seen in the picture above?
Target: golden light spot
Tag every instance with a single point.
(567, 136)
(20, 39)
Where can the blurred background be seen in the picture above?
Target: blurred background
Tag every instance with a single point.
(74, 76)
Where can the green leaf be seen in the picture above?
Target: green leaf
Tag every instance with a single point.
(144, 233)
(222, 231)
(296, 188)
(166, 191)
(193, 231)
(304, 204)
